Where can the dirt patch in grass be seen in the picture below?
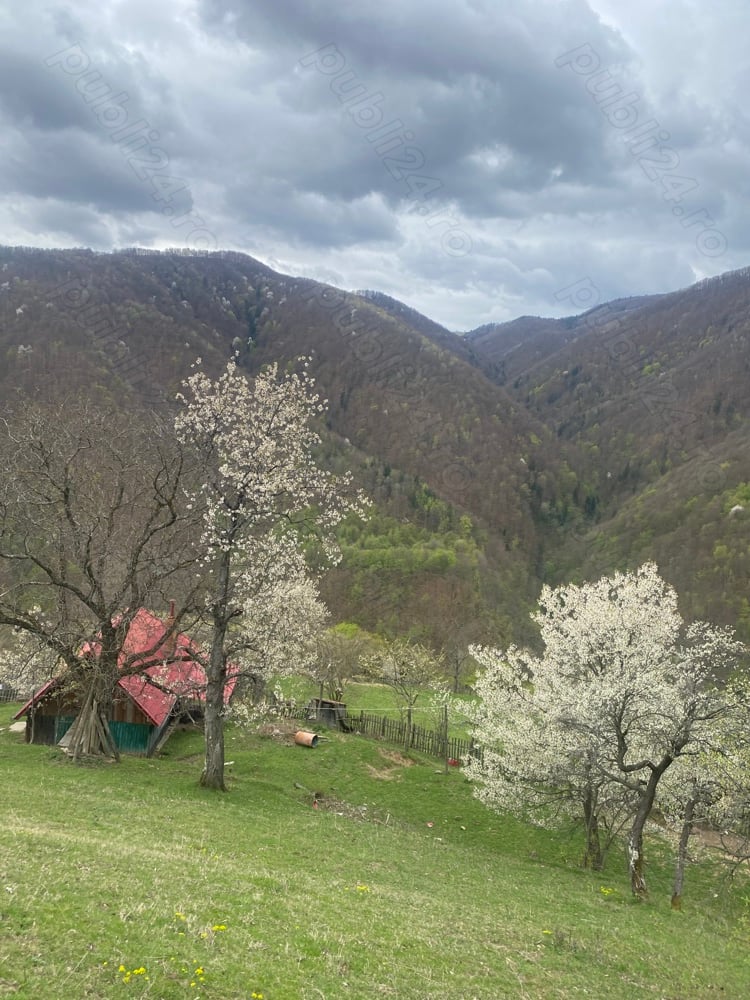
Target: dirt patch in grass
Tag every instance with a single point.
(386, 774)
(396, 758)
(347, 809)
(282, 730)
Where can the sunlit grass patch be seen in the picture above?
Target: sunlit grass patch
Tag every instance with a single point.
(406, 888)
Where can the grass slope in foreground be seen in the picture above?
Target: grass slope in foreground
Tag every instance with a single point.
(130, 881)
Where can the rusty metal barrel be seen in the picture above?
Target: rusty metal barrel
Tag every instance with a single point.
(305, 739)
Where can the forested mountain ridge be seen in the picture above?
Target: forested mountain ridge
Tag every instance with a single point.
(508, 350)
(529, 452)
(654, 400)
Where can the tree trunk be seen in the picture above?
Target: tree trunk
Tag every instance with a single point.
(636, 866)
(679, 874)
(407, 743)
(90, 732)
(107, 676)
(257, 686)
(593, 857)
(213, 768)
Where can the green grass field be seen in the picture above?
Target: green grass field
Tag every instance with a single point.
(130, 881)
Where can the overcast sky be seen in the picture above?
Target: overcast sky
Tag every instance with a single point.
(477, 159)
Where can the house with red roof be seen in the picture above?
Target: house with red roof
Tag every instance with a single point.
(148, 705)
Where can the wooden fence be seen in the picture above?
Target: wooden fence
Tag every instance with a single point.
(12, 694)
(428, 741)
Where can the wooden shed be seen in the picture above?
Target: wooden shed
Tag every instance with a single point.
(146, 707)
(330, 713)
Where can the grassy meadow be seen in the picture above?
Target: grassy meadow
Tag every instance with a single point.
(130, 881)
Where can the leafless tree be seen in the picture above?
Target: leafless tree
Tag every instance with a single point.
(93, 526)
(341, 651)
(412, 670)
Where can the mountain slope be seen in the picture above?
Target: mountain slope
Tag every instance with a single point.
(652, 389)
(426, 431)
(506, 351)
(527, 452)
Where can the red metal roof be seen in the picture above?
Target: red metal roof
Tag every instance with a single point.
(37, 696)
(156, 690)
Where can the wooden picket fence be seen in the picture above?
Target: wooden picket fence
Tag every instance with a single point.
(429, 741)
(382, 727)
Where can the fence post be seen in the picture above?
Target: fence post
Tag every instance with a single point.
(444, 735)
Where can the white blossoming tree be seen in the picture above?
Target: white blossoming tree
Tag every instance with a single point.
(25, 662)
(621, 690)
(262, 491)
(282, 613)
(531, 768)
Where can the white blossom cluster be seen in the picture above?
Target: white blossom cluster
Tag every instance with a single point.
(282, 612)
(257, 441)
(25, 663)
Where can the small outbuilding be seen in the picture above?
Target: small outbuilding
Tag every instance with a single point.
(147, 706)
(330, 713)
